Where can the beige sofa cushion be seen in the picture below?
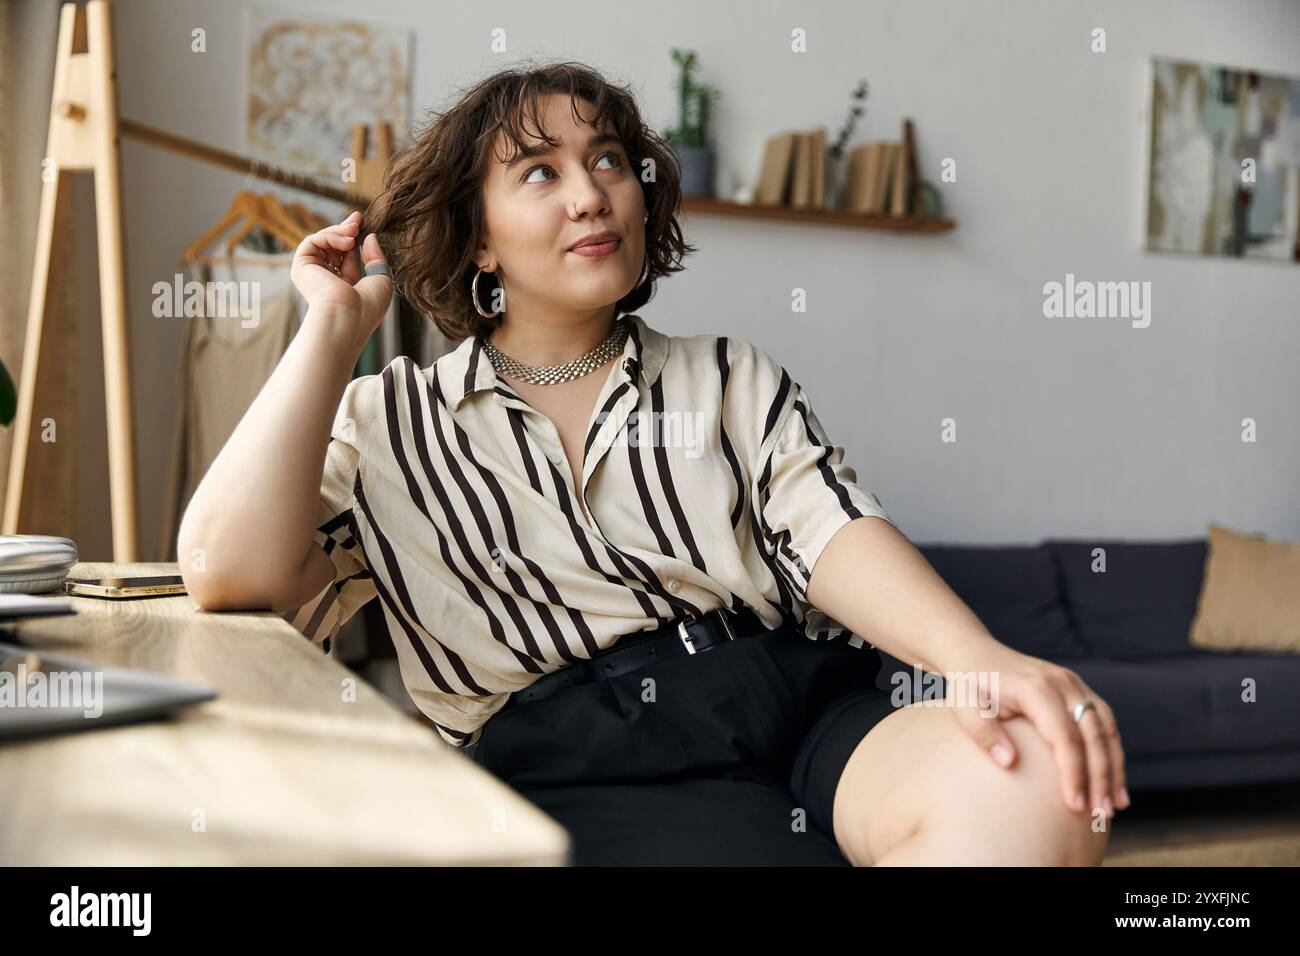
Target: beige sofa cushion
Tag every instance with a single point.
(1250, 595)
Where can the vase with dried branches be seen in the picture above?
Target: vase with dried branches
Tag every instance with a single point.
(836, 174)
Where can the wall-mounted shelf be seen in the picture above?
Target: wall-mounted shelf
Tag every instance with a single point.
(829, 217)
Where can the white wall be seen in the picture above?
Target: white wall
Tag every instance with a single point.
(1066, 426)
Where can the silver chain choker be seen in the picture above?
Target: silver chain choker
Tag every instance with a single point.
(554, 374)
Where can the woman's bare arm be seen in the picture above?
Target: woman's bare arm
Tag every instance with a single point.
(246, 539)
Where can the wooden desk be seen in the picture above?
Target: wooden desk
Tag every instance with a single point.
(279, 768)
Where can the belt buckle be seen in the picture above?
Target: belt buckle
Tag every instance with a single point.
(687, 640)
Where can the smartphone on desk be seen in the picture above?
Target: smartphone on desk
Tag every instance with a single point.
(157, 586)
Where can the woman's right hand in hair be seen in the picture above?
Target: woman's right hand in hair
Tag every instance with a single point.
(326, 272)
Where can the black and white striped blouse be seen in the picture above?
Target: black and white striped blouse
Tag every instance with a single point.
(708, 478)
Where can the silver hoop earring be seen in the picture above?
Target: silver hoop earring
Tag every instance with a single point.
(645, 270)
(473, 296)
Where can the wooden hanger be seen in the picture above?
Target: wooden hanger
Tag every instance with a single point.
(289, 224)
(247, 211)
(238, 205)
(305, 221)
(265, 213)
(311, 220)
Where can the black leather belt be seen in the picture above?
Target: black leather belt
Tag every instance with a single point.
(679, 638)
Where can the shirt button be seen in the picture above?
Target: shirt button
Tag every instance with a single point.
(674, 585)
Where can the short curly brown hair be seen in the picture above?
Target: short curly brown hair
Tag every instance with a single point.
(430, 212)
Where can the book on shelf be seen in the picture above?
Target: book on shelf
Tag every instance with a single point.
(778, 162)
(818, 189)
(801, 177)
(878, 178)
(864, 168)
(900, 181)
(808, 189)
(794, 170)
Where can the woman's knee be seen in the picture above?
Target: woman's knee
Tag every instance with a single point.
(919, 776)
(1022, 804)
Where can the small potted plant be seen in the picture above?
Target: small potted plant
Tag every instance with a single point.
(692, 138)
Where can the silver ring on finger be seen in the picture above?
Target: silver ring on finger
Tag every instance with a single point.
(1078, 710)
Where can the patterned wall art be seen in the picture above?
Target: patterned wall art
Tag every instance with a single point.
(1224, 176)
(310, 80)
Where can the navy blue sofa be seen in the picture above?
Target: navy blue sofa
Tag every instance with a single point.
(1180, 708)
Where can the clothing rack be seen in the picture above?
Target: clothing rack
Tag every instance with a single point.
(84, 135)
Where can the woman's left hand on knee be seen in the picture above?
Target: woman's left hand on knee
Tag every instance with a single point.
(1089, 756)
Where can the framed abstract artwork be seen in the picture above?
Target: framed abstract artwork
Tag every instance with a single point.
(1224, 173)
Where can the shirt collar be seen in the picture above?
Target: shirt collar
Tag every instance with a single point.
(468, 368)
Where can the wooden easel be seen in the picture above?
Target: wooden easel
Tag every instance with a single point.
(83, 135)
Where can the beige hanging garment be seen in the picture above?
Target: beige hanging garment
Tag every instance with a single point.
(228, 355)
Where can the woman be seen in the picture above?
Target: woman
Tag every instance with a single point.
(628, 572)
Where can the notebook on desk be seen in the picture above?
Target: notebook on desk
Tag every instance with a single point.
(51, 693)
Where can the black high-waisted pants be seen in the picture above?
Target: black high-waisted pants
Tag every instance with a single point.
(728, 757)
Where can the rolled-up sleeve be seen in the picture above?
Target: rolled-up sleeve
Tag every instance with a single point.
(804, 490)
(337, 534)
